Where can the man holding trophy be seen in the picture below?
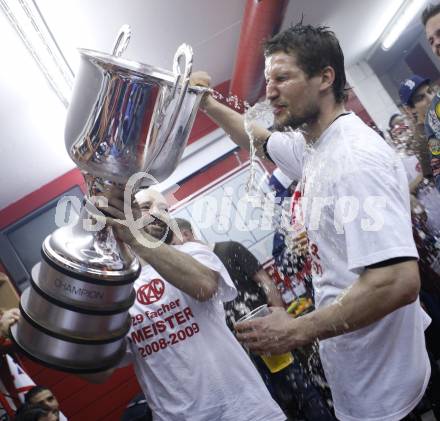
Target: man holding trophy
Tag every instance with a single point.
(188, 363)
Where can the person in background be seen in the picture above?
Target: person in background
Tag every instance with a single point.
(431, 22)
(417, 95)
(424, 209)
(291, 387)
(38, 396)
(43, 396)
(8, 393)
(365, 276)
(292, 271)
(187, 362)
(292, 266)
(254, 285)
(283, 188)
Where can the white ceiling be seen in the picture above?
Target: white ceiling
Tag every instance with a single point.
(31, 143)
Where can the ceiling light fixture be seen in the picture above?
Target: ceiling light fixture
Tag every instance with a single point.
(400, 21)
(30, 25)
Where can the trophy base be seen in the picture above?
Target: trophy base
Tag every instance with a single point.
(75, 313)
(39, 348)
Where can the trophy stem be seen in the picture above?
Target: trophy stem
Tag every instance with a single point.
(98, 186)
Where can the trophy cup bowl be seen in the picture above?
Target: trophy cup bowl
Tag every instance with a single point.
(124, 118)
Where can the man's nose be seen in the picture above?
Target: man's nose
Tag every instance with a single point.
(271, 92)
(158, 213)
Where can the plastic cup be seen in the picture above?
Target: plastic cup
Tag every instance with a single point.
(273, 362)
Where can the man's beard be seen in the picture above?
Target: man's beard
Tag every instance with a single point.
(310, 115)
(160, 232)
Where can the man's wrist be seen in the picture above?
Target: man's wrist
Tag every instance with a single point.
(310, 326)
(208, 103)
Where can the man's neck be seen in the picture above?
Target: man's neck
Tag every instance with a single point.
(313, 131)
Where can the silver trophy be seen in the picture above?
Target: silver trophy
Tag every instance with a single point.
(124, 118)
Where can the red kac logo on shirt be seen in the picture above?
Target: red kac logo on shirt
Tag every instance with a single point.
(151, 292)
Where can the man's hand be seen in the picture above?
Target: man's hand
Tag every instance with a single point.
(202, 79)
(7, 319)
(228, 119)
(273, 334)
(273, 296)
(115, 216)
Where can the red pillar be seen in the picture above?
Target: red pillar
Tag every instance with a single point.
(262, 19)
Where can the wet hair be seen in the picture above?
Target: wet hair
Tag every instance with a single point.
(314, 47)
(34, 391)
(183, 224)
(28, 412)
(390, 122)
(430, 11)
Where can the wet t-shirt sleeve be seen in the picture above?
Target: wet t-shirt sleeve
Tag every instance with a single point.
(286, 150)
(226, 289)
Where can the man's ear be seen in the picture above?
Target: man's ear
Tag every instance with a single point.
(187, 235)
(327, 78)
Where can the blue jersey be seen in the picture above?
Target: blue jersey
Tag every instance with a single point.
(432, 131)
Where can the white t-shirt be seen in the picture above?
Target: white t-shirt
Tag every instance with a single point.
(355, 206)
(188, 363)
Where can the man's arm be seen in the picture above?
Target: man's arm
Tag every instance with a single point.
(180, 269)
(377, 292)
(266, 283)
(229, 120)
(235, 254)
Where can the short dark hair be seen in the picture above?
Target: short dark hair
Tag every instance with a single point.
(430, 11)
(183, 224)
(315, 47)
(34, 391)
(390, 122)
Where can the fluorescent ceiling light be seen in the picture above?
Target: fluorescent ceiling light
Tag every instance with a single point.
(27, 20)
(403, 17)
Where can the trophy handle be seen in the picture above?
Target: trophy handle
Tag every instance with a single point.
(182, 78)
(122, 40)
